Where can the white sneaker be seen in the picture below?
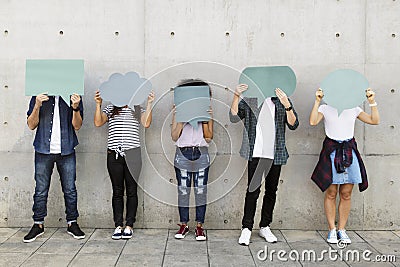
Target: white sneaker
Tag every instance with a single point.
(332, 237)
(268, 235)
(244, 238)
(342, 236)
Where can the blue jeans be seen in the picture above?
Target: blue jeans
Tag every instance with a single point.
(66, 167)
(185, 177)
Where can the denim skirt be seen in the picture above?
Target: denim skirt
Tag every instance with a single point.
(351, 175)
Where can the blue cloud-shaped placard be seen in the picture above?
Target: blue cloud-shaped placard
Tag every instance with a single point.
(129, 89)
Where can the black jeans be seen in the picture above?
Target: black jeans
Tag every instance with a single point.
(122, 178)
(250, 205)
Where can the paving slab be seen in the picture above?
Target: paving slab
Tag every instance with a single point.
(392, 248)
(221, 235)
(61, 247)
(55, 260)
(13, 259)
(129, 260)
(144, 247)
(302, 236)
(378, 236)
(113, 247)
(15, 243)
(200, 260)
(102, 234)
(231, 260)
(6, 233)
(397, 233)
(187, 246)
(95, 259)
(227, 248)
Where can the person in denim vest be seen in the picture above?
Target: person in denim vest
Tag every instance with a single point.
(192, 162)
(340, 166)
(55, 141)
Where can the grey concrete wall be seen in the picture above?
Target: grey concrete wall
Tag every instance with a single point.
(368, 41)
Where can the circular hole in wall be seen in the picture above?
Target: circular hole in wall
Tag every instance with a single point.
(337, 35)
(116, 33)
(282, 34)
(392, 90)
(393, 35)
(61, 32)
(226, 34)
(172, 33)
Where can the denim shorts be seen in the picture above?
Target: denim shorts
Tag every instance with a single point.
(352, 174)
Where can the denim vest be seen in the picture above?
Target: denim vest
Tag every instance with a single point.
(69, 139)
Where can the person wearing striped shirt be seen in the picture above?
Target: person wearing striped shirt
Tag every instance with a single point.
(123, 138)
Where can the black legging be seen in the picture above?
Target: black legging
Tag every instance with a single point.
(250, 205)
(121, 177)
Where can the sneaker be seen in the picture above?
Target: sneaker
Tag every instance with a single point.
(33, 233)
(266, 233)
(183, 230)
(332, 237)
(75, 231)
(244, 238)
(117, 233)
(127, 234)
(343, 237)
(200, 235)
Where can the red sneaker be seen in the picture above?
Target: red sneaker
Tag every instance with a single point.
(200, 234)
(183, 230)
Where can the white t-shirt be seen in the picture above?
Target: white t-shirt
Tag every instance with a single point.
(55, 139)
(264, 145)
(341, 127)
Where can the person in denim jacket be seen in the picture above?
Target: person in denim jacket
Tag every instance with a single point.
(55, 141)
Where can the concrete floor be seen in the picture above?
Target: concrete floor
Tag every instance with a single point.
(157, 247)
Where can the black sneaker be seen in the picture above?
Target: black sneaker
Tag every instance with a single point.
(33, 233)
(127, 233)
(75, 231)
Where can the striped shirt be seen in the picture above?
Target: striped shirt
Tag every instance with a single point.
(123, 129)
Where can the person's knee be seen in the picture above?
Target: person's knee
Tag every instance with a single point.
(345, 195)
(331, 194)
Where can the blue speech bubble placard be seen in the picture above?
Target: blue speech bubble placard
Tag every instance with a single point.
(344, 89)
(129, 89)
(192, 104)
(263, 81)
(54, 77)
